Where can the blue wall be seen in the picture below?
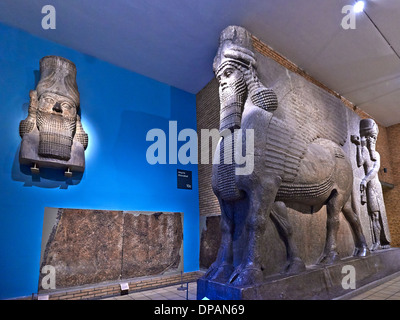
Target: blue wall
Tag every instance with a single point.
(118, 108)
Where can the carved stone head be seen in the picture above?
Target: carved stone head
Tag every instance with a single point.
(235, 69)
(53, 114)
(369, 133)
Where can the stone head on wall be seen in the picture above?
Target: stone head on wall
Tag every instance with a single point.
(52, 134)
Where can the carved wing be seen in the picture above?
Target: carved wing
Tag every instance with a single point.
(305, 113)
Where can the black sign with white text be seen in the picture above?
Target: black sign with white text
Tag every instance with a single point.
(184, 179)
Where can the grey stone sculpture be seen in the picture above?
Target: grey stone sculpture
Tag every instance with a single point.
(370, 186)
(298, 163)
(52, 134)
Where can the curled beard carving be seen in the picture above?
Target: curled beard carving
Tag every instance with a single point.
(232, 100)
(55, 135)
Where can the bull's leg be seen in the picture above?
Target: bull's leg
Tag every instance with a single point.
(361, 247)
(222, 268)
(280, 217)
(333, 208)
(261, 199)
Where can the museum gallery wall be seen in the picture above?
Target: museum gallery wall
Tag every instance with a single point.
(96, 179)
(117, 109)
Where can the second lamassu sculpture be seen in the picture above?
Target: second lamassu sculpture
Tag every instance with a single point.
(370, 187)
(298, 161)
(52, 134)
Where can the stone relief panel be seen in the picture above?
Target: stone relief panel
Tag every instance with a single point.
(93, 246)
(368, 189)
(210, 239)
(152, 244)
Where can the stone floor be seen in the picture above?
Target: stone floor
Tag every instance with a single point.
(166, 293)
(384, 289)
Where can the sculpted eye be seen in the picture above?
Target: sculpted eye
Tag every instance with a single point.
(66, 105)
(227, 73)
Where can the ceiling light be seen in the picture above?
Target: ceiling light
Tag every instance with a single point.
(359, 6)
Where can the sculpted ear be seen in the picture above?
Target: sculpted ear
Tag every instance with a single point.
(80, 134)
(34, 100)
(27, 125)
(265, 98)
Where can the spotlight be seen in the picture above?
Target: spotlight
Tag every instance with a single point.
(359, 6)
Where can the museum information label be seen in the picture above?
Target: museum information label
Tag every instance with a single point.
(184, 179)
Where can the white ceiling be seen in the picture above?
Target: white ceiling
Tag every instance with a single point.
(174, 41)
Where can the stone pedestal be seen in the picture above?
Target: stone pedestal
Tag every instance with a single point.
(316, 283)
(29, 155)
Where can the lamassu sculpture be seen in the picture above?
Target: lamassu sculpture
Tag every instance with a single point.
(52, 134)
(298, 161)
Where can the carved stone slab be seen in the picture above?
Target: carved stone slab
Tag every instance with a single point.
(93, 246)
(152, 243)
(210, 239)
(85, 247)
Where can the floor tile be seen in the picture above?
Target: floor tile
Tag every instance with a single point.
(363, 295)
(125, 297)
(156, 297)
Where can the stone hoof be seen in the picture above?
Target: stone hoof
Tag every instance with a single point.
(295, 266)
(329, 258)
(360, 251)
(375, 246)
(235, 274)
(247, 276)
(211, 271)
(223, 273)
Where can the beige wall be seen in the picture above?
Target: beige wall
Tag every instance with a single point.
(392, 196)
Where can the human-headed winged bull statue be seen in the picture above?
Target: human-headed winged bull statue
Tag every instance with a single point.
(298, 160)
